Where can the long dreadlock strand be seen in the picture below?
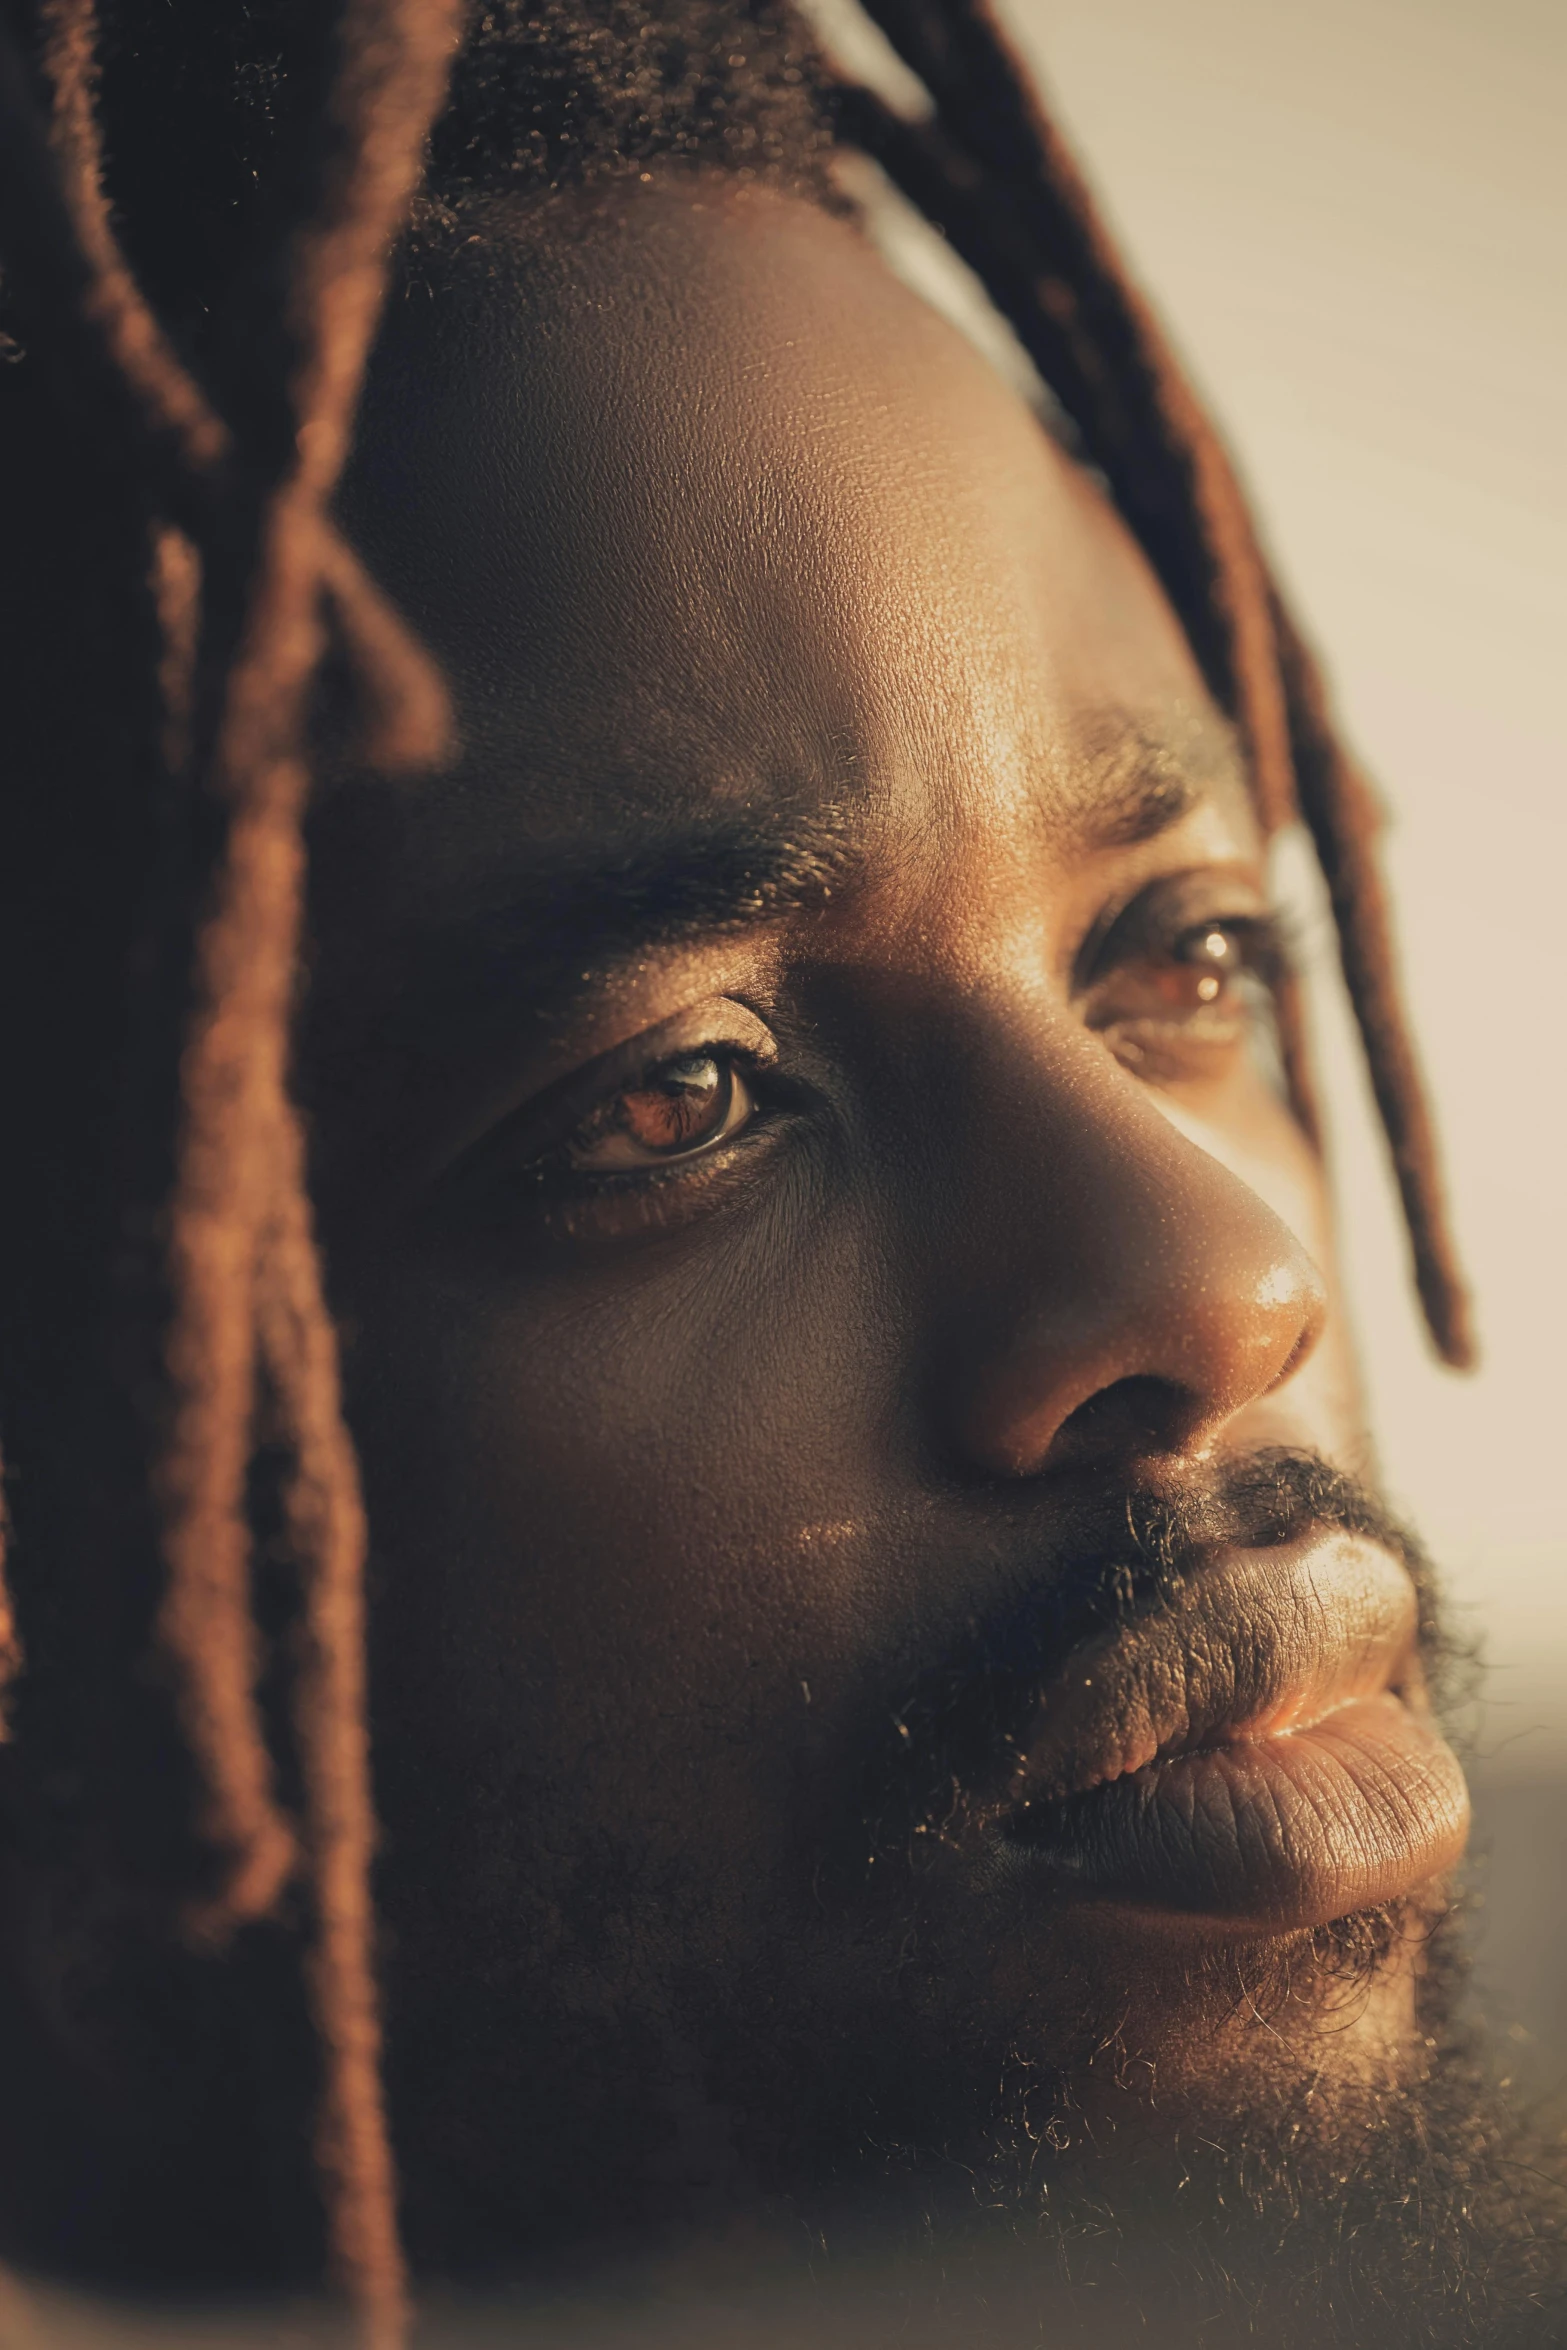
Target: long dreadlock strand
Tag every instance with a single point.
(403, 713)
(233, 1066)
(65, 262)
(992, 172)
(205, 1621)
(1342, 813)
(326, 1524)
(170, 399)
(240, 1172)
(47, 265)
(242, 1176)
(175, 578)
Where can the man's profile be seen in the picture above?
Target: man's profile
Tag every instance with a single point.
(694, 1552)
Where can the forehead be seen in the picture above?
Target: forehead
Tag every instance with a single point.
(708, 517)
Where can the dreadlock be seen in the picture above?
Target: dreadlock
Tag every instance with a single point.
(197, 208)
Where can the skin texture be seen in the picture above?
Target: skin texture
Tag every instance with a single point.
(679, 1487)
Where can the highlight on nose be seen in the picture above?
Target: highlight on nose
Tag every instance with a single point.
(1137, 1319)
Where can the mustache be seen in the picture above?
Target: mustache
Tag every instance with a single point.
(1115, 1558)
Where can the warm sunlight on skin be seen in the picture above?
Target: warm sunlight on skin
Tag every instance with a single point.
(804, 1168)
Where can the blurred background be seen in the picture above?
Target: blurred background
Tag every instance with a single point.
(1353, 217)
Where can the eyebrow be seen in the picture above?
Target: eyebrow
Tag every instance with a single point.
(570, 924)
(583, 918)
(559, 934)
(1125, 780)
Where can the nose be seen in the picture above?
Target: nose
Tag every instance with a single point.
(1121, 1292)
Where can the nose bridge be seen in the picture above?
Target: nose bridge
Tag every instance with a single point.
(1106, 1253)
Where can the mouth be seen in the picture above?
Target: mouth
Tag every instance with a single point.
(1259, 1751)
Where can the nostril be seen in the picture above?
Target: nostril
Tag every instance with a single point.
(1129, 1419)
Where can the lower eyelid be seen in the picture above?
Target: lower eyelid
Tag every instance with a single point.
(650, 1196)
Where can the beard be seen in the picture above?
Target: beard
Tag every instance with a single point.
(1427, 2216)
(1291, 2199)
(1282, 2188)
(1310, 2206)
(922, 2167)
(1423, 2215)
(1317, 2213)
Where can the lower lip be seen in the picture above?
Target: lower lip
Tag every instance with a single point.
(1279, 1832)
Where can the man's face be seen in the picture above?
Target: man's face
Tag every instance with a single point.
(829, 1275)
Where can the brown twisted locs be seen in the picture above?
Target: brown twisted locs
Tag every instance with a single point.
(248, 579)
(245, 1274)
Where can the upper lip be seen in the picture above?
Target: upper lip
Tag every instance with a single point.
(1255, 1645)
(1248, 1746)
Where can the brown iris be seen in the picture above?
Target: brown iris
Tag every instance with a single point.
(677, 1108)
(1199, 972)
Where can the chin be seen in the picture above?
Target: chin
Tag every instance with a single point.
(1300, 2024)
(1131, 2043)
(1298, 2142)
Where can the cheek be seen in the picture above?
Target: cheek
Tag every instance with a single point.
(615, 1512)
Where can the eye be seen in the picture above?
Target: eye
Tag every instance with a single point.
(676, 1110)
(658, 1124)
(1203, 969)
(1179, 992)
